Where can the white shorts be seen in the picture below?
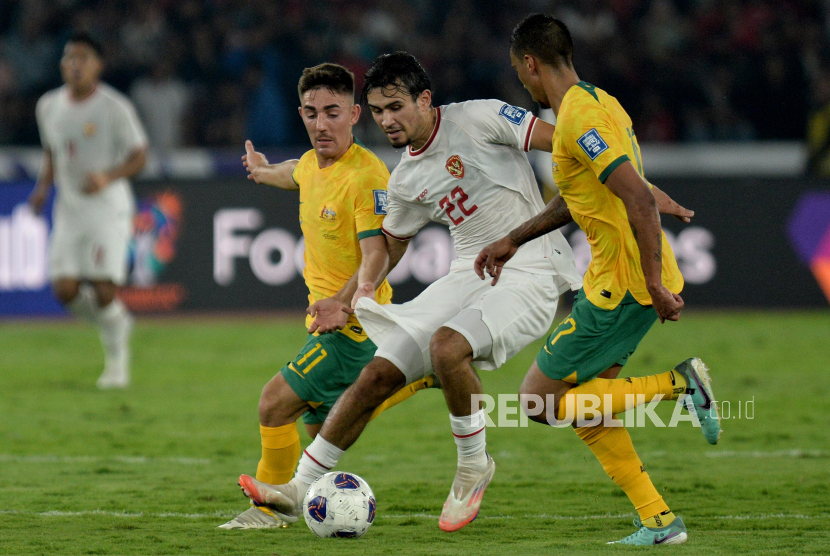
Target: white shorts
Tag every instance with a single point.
(517, 311)
(93, 250)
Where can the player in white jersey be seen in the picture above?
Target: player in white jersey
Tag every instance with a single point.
(465, 166)
(93, 142)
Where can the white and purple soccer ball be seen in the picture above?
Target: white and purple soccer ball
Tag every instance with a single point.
(339, 505)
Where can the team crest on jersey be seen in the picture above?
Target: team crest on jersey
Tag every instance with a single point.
(513, 114)
(89, 129)
(381, 201)
(328, 214)
(455, 167)
(592, 144)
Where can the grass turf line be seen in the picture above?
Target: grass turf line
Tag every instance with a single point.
(152, 470)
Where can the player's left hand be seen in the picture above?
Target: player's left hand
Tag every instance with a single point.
(681, 213)
(366, 289)
(96, 182)
(329, 314)
(493, 258)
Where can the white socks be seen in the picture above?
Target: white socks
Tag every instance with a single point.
(113, 322)
(318, 459)
(469, 433)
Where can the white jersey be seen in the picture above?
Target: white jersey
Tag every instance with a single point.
(92, 135)
(473, 175)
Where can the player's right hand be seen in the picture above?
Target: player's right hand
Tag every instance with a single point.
(493, 258)
(254, 162)
(667, 304)
(37, 199)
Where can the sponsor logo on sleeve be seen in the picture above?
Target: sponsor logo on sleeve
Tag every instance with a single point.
(592, 144)
(381, 201)
(513, 114)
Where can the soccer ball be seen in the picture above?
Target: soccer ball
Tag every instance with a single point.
(339, 505)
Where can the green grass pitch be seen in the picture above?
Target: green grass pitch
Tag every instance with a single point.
(152, 470)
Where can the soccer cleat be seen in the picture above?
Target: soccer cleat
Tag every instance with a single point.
(255, 518)
(113, 377)
(467, 490)
(283, 500)
(673, 533)
(699, 396)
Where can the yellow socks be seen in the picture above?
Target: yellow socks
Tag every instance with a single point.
(403, 393)
(623, 392)
(613, 448)
(280, 454)
(660, 520)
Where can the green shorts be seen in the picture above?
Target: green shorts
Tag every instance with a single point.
(591, 340)
(324, 368)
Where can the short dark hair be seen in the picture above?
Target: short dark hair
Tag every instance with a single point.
(400, 70)
(336, 79)
(85, 38)
(544, 37)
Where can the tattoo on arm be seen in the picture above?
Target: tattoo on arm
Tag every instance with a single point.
(555, 215)
(658, 256)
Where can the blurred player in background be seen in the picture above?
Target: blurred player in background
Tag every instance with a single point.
(342, 189)
(93, 142)
(633, 278)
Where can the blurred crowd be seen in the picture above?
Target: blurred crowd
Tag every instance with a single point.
(214, 72)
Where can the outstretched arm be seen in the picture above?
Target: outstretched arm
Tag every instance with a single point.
(279, 175)
(629, 186)
(493, 257)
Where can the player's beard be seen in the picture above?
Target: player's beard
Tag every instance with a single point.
(402, 140)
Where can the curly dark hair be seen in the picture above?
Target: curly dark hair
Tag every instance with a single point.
(400, 70)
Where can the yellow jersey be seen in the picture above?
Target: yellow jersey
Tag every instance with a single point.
(339, 206)
(593, 137)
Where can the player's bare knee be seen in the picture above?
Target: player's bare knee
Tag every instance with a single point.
(65, 290)
(532, 404)
(376, 383)
(278, 404)
(104, 293)
(448, 348)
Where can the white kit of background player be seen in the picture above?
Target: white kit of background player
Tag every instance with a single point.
(93, 141)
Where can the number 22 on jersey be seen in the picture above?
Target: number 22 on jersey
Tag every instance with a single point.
(460, 198)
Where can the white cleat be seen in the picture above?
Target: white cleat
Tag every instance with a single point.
(255, 518)
(113, 378)
(281, 499)
(467, 490)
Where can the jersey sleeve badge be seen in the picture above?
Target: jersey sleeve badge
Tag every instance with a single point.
(592, 144)
(381, 201)
(513, 114)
